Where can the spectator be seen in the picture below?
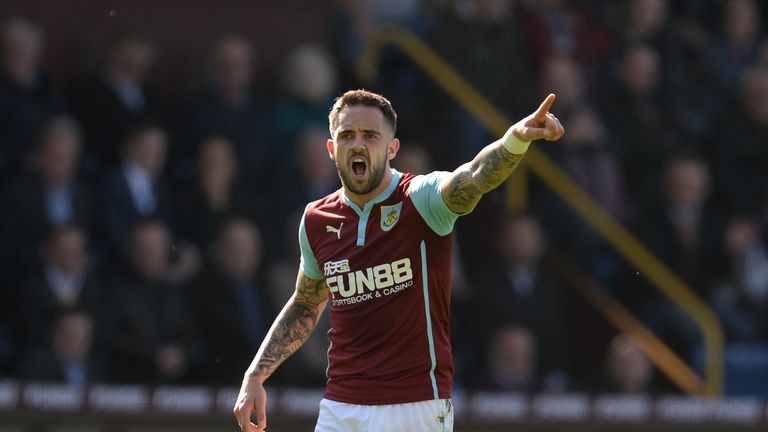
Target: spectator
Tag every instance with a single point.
(516, 289)
(27, 98)
(227, 106)
(69, 356)
(310, 82)
(685, 232)
(216, 193)
(149, 329)
(564, 77)
(741, 301)
(639, 121)
(316, 175)
(741, 167)
(485, 37)
(65, 281)
(230, 299)
(627, 369)
(136, 189)
(511, 361)
(649, 22)
(47, 196)
(111, 103)
(562, 28)
(413, 157)
(738, 47)
(585, 155)
(358, 20)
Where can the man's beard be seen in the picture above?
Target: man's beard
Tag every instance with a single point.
(377, 173)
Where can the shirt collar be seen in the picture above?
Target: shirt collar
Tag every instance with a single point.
(378, 198)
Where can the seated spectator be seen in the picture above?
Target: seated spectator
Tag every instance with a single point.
(685, 231)
(585, 155)
(27, 98)
(741, 301)
(65, 281)
(516, 289)
(413, 157)
(216, 193)
(316, 174)
(565, 78)
(227, 106)
(358, 20)
(487, 36)
(738, 46)
(651, 23)
(47, 196)
(310, 82)
(149, 324)
(741, 167)
(136, 189)
(69, 356)
(230, 299)
(560, 27)
(511, 361)
(627, 369)
(116, 98)
(639, 120)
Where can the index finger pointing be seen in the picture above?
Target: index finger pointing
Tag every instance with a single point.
(541, 113)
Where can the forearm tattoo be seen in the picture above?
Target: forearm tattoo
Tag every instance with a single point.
(293, 326)
(484, 173)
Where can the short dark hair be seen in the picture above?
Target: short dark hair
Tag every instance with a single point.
(366, 98)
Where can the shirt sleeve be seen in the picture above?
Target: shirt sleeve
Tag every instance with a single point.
(308, 263)
(425, 194)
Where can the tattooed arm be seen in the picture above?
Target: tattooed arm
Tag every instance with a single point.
(463, 188)
(292, 326)
(290, 330)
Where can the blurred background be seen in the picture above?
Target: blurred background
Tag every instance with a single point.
(156, 157)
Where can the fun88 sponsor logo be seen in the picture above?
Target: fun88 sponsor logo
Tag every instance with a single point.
(362, 285)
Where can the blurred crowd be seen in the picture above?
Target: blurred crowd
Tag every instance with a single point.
(151, 241)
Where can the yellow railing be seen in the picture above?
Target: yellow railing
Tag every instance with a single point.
(622, 319)
(550, 174)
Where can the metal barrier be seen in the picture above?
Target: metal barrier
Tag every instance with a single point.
(550, 174)
(59, 408)
(657, 351)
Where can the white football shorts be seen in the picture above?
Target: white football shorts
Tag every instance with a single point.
(427, 416)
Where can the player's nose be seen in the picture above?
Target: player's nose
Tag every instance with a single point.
(358, 142)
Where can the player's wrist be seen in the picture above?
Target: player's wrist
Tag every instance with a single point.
(514, 144)
(255, 376)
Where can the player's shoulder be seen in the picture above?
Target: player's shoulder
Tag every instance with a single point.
(420, 183)
(329, 204)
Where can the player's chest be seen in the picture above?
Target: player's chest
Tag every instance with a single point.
(366, 259)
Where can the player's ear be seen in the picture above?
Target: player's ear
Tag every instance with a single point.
(331, 149)
(392, 149)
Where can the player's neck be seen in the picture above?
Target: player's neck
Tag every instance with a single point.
(361, 200)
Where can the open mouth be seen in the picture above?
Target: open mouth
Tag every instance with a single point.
(359, 166)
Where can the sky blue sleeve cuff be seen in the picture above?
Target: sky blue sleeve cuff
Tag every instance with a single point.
(308, 264)
(425, 194)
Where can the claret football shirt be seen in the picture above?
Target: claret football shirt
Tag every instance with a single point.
(388, 267)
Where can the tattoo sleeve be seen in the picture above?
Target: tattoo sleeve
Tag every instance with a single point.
(292, 326)
(463, 188)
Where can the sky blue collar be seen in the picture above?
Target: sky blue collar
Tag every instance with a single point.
(365, 212)
(378, 198)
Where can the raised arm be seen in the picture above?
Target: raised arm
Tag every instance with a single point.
(463, 188)
(290, 330)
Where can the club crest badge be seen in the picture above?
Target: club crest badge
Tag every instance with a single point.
(390, 215)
